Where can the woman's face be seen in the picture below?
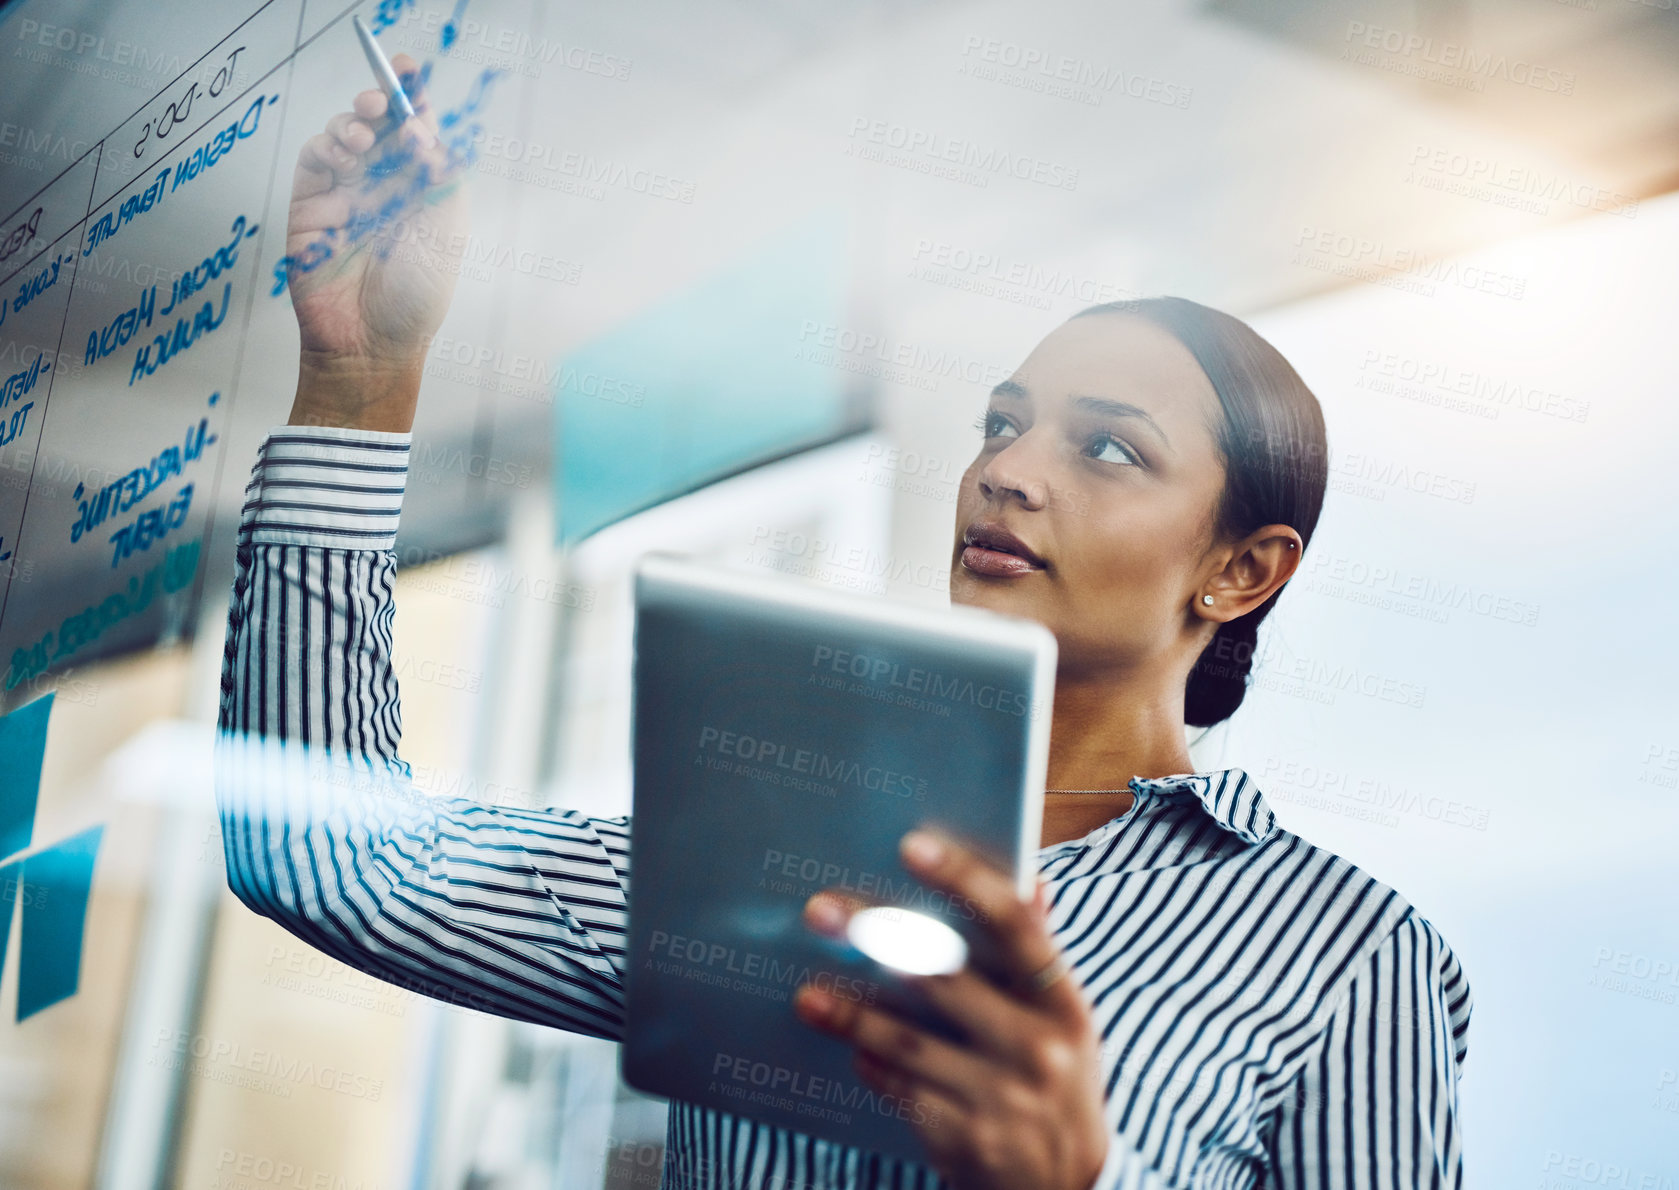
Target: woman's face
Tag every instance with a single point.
(1100, 456)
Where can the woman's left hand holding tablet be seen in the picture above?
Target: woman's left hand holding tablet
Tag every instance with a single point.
(1021, 1105)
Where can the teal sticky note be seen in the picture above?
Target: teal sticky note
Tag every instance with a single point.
(11, 887)
(23, 743)
(727, 374)
(55, 886)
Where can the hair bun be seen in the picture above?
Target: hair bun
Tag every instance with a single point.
(1219, 679)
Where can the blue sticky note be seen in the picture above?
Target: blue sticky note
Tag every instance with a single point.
(23, 742)
(54, 891)
(730, 373)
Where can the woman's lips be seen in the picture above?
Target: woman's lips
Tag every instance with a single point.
(995, 562)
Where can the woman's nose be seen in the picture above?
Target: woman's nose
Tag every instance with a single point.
(1011, 473)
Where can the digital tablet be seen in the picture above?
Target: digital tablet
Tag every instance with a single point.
(785, 737)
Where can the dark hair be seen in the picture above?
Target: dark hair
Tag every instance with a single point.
(1276, 467)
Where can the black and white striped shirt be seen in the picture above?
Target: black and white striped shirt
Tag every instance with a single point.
(1272, 1016)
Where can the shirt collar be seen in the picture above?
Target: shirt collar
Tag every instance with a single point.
(1229, 795)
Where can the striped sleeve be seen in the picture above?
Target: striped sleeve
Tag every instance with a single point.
(1124, 1168)
(518, 913)
(1376, 1104)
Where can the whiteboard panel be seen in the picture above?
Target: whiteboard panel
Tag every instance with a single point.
(146, 156)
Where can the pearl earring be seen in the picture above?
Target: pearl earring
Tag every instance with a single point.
(1207, 599)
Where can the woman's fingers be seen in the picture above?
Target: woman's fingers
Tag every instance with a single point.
(320, 164)
(991, 1018)
(354, 134)
(1021, 928)
(1024, 1078)
(348, 138)
(313, 213)
(335, 154)
(987, 895)
(894, 1042)
(340, 152)
(942, 1119)
(828, 911)
(370, 105)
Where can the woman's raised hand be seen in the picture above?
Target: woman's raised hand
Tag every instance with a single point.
(1020, 1105)
(374, 237)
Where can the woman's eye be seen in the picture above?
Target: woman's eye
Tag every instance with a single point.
(992, 425)
(1108, 449)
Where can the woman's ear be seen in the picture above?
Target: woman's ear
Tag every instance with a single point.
(1259, 564)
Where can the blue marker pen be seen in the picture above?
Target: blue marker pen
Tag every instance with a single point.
(400, 108)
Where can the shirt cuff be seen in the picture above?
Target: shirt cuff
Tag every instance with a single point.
(328, 486)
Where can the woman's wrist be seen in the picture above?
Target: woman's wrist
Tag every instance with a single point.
(357, 393)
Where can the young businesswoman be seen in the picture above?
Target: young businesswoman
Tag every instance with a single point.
(1201, 999)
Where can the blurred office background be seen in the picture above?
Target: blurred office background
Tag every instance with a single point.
(1456, 219)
